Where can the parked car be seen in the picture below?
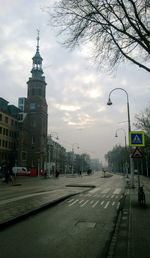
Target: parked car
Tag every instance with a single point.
(21, 171)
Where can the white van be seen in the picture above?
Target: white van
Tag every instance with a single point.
(20, 171)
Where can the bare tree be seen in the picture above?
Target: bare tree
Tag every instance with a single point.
(143, 121)
(118, 29)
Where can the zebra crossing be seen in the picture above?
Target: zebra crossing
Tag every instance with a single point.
(97, 198)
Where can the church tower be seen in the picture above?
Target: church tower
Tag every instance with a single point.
(36, 111)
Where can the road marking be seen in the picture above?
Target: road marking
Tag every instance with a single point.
(113, 203)
(118, 205)
(73, 202)
(117, 191)
(84, 203)
(95, 190)
(112, 196)
(102, 202)
(107, 196)
(106, 190)
(89, 195)
(91, 201)
(106, 205)
(81, 201)
(95, 204)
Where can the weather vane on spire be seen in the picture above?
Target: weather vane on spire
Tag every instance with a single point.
(38, 38)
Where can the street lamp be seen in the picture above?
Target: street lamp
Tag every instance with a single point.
(116, 135)
(129, 127)
(73, 154)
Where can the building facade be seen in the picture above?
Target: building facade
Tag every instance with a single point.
(8, 132)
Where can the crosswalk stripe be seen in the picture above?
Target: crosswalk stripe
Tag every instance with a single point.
(113, 203)
(95, 204)
(73, 202)
(106, 205)
(91, 201)
(102, 202)
(118, 205)
(84, 203)
(81, 201)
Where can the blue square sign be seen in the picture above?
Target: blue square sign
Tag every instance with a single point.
(136, 138)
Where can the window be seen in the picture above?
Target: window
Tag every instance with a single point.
(3, 131)
(33, 92)
(0, 129)
(1, 117)
(32, 106)
(6, 119)
(33, 140)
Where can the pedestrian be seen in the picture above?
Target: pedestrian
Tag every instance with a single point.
(11, 174)
(5, 172)
(80, 173)
(57, 173)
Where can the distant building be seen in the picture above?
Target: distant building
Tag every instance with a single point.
(8, 132)
(56, 156)
(21, 103)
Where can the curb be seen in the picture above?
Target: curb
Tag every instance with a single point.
(34, 211)
(114, 234)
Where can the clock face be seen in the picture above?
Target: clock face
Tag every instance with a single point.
(32, 106)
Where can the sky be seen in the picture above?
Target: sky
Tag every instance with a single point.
(77, 90)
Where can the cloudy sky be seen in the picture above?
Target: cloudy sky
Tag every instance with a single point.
(77, 91)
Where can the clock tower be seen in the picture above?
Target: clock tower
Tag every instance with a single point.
(36, 112)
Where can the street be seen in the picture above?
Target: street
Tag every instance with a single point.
(79, 227)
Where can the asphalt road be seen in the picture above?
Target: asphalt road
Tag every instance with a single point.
(79, 227)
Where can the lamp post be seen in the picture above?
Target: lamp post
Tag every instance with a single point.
(55, 135)
(129, 128)
(73, 155)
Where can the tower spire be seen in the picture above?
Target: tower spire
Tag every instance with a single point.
(38, 39)
(37, 70)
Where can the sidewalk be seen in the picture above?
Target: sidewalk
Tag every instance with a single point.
(133, 232)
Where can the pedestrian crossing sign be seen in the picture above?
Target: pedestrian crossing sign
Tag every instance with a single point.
(136, 138)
